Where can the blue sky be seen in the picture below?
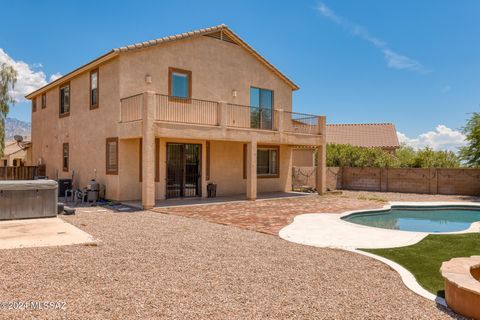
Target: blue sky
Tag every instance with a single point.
(413, 63)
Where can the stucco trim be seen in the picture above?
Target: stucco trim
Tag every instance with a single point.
(63, 85)
(171, 71)
(108, 170)
(43, 100)
(97, 104)
(270, 176)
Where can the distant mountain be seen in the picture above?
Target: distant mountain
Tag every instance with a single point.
(15, 126)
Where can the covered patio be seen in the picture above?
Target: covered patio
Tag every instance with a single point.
(181, 150)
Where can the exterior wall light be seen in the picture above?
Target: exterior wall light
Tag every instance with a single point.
(148, 79)
(234, 93)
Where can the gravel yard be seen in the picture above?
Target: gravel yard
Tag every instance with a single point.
(150, 266)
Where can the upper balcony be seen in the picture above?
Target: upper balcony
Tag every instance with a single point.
(196, 112)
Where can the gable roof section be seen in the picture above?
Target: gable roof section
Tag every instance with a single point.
(380, 135)
(230, 36)
(224, 30)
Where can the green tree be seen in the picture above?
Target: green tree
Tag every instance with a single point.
(470, 154)
(342, 155)
(8, 78)
(406, 156)
(339, 155)
(428, 158)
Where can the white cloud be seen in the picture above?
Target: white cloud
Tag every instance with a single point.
(394, 60)
(55, 76)
(397, 61)
(29, 78)
(443, 138)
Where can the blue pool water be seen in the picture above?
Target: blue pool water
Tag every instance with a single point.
(420, 219)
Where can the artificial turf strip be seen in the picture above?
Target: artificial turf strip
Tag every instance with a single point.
(424, 259)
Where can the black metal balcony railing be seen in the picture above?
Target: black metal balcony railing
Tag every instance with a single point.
(300, 123)
(205, 112)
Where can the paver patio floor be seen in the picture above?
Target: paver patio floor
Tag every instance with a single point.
(268, 216)
(271, 215)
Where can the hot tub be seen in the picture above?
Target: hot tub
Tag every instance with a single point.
(24, 199)
(462, 285)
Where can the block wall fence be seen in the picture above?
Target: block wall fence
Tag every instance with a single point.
(405, 180)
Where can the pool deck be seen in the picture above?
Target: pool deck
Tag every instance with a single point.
(328, 230)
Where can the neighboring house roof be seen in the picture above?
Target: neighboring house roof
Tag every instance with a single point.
(223, 29)
(381, 135)
(11, 147)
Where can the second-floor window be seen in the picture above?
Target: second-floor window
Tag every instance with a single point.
(94, 89)
(261, 105)
(34, 104)
(65, 100)
(179, 83)
(44, 101)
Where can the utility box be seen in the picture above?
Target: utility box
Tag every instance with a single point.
(24, 199)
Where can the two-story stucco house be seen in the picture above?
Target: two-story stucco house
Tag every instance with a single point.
(163, 118)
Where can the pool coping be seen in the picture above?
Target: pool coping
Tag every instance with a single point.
(407, 277)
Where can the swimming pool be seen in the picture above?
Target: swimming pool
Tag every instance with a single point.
(421, 219)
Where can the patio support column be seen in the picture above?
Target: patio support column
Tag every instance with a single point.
(252, 170)
(280, 117)
(321, 177)
(148, 151)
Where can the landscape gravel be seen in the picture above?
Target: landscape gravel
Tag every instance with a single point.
(148, 265)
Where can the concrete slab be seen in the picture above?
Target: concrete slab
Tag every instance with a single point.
(40, 233)
(328, 230)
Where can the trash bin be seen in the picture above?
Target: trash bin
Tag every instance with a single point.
(211, 190)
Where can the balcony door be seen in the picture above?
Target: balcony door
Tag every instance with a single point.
(261, 108)
(183, 170)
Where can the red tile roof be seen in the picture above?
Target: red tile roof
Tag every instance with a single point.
(381, 135)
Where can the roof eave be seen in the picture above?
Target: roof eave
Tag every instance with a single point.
(104, 58)
(261, 58)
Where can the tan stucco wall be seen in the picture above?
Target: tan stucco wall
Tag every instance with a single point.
(217, 67)
(226, 170)
(85, 130)
(303, 157)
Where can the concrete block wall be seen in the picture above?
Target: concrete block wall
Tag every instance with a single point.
(407, 180)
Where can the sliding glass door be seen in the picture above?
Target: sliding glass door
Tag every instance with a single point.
(261, 108)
